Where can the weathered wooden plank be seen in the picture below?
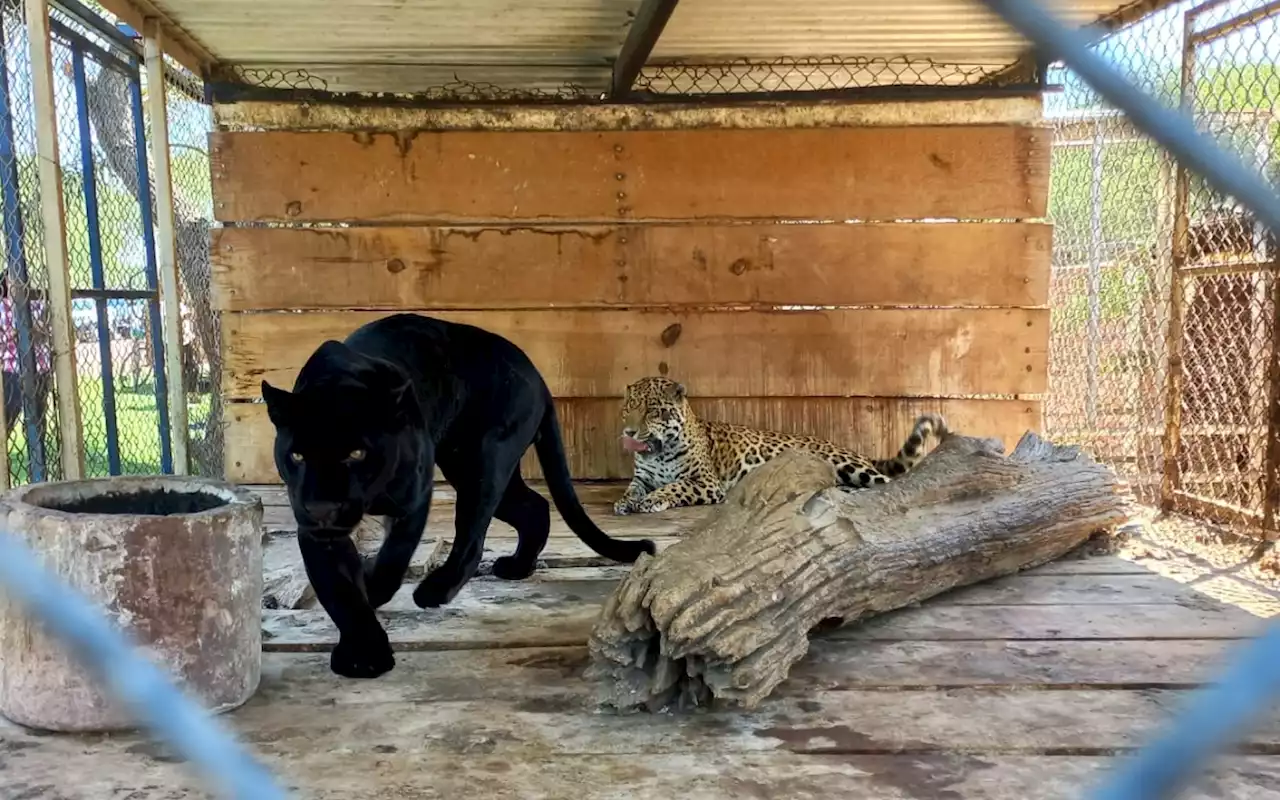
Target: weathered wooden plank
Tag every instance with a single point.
(596, 353)
(1115, 663)
(1091, 565)
(839, 722)
(964, 171)
(591, 426)
(598, 499)
(1208, 620)
(127, 766)
(1053, 590)
(488, 613)
(553, 609)
(966, 264)
(564, 549)
(636, 525)
(598, 493)
(512, 676)
(505, 719)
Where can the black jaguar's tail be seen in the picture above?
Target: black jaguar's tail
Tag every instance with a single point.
(555, 469)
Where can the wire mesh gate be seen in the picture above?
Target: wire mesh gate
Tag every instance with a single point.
(100, 87)
(112, 250)
(24, 323)
(1163, 356)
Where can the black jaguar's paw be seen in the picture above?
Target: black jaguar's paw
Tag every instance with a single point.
(510, 568)
(433, 592)
(362, 658)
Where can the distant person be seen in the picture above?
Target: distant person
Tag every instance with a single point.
(9, 357)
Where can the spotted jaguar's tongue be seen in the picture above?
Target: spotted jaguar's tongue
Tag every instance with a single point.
(634, 445)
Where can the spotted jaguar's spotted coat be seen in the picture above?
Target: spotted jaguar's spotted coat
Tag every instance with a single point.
(681, 460)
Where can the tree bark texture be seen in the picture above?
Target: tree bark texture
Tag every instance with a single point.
(724, 613)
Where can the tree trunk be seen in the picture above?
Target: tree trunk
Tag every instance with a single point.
(725, 612)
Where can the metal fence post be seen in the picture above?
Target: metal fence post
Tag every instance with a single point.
(1093, 336)
(166, 245)
(18, 280)
(96, 269)
(1171, 447)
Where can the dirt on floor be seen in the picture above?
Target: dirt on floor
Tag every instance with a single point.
(1227, 564)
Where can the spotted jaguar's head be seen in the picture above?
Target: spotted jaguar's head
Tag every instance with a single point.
(654, 414)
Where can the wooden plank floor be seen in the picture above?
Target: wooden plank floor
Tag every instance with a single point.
(1025, 687)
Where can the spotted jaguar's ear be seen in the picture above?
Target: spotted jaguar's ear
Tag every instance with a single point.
(279, 404)
(678, 391)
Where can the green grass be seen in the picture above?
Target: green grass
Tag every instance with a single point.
(138, 426)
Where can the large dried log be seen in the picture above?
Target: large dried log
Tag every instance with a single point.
(724, 613)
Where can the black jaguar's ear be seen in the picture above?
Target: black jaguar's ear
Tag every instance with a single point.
(279, 404)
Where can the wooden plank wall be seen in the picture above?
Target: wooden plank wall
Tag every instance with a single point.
(793, 277)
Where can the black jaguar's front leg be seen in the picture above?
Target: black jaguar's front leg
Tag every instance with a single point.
(386, 574)
(336, 573)
(480, 479)
(473, 511)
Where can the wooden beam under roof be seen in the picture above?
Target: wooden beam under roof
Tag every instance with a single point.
(650, 19)
(179, 44)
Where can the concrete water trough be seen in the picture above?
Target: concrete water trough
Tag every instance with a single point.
(175, 562)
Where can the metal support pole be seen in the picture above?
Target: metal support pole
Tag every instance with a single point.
(156, 320)
(1271, 280)
(55, 240)
(94, 230)
(4, 444)
(166, 244)
(19, 278)
(1093, 336)
(1171, 446)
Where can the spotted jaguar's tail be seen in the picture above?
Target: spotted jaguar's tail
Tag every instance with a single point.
(913, 448)
(555, 470)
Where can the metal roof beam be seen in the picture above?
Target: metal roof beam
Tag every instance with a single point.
(650, 19)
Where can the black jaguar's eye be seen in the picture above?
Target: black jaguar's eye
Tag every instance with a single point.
(296, 458)
(356, 455)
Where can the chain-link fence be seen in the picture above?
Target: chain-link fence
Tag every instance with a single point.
(30, 415)
(109, 196)
(1163, 359)
(671, 79)
(190, 121)
(110, 251)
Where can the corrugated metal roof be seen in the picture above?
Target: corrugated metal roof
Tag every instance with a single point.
(962, 31)
(408, 45)
(407, 31)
